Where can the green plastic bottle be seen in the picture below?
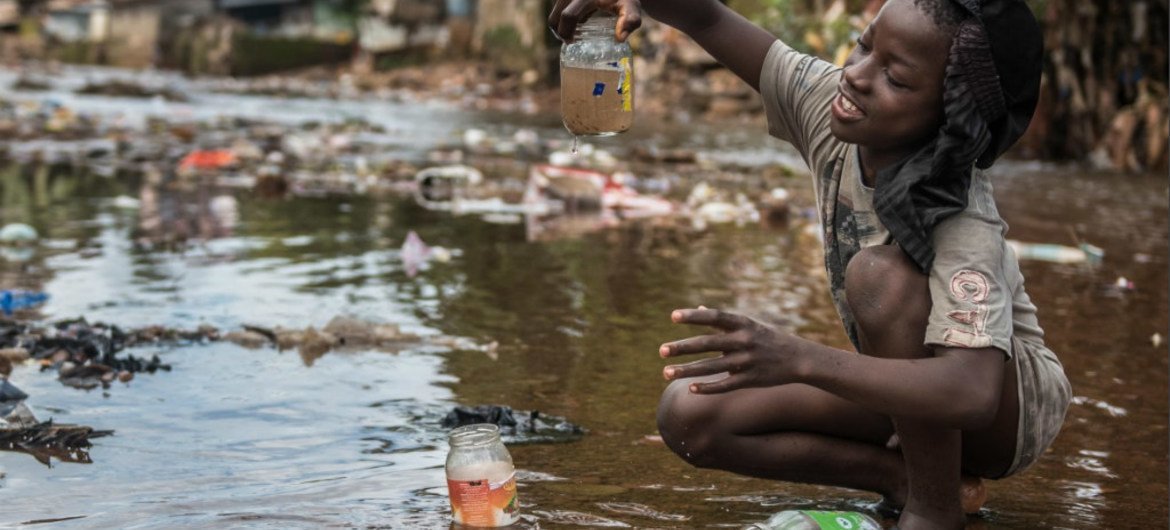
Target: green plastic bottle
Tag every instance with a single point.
(816, 520)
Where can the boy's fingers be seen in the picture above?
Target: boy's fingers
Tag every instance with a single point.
(554, 16)
(704, 343)
(566, 15)
(574, 13)
(698, 368)
(727, 384)
(711, 317)
(631, 19)
(732, 363)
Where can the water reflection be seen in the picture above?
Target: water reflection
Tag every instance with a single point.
(1088, 502)
(640, 510)
(168, 218)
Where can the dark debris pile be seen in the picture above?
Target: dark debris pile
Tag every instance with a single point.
(90, 355)
(85, 356)
(21, 431)
(47, 440)
(516, 426)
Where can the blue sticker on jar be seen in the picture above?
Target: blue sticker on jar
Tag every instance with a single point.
(598, 89)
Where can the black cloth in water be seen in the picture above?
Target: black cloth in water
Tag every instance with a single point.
(516, 426)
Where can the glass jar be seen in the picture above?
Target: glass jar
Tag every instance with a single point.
(481, 480)
(597, 80)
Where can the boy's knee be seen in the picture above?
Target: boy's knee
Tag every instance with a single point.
(686, 423)
(885, 290)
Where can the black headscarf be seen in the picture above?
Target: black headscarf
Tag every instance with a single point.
(990, 91)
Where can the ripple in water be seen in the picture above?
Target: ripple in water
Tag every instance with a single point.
(640, 510)
(1092, 461)
(578, 518)
(1112, 410)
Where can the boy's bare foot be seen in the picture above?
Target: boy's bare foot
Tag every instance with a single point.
(972, 496)
(914, 521)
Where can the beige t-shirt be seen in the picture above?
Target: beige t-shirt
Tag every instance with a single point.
(975, 282)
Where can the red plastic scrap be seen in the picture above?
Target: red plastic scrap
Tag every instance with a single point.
(208, 159)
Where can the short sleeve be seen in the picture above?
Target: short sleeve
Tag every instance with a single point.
(798, 90)
(971, 295)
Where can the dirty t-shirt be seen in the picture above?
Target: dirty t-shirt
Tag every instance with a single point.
(975, 282)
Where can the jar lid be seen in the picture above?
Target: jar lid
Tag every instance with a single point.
(474, 434)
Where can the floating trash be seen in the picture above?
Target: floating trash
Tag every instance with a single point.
(414, 253)
(15, 300)
(21, 431)
(816, 519)
(1083, 253)
(208, 160)
(9, 394)
(516, 426)
(17, 234)
(440, 186)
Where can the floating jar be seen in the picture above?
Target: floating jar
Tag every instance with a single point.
(481, 479)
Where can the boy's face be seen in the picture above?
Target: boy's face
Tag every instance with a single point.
(890, 96)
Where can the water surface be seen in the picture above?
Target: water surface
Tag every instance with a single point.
(233, 437)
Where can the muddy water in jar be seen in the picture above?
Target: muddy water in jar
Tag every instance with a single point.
(481, 480)
(596, 102)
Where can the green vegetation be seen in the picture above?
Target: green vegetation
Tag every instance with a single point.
(255, 54)
(506, 49)
(820, 27)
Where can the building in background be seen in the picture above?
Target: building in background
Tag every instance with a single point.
(77, 21)
(391, 28)
(248, 37)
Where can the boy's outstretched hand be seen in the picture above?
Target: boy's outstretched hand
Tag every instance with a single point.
(567, 14)
(754, 354)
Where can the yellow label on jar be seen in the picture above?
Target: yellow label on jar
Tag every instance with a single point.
(627, 85)
(484, 503)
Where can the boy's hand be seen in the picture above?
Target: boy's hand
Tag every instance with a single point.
(730, 38)
(754, 355)
(567, 14)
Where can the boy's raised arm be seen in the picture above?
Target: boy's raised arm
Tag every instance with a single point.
(734, 41)
(729, 37)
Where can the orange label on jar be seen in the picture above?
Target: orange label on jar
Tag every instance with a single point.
(484, 503)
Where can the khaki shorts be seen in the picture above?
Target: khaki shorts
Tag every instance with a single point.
(1044, 394)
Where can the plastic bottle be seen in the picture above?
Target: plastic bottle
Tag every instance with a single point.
(816, 520)
(481, 479)
(597, 80)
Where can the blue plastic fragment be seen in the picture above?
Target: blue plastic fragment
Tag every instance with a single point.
(14, 299)
(598, 89)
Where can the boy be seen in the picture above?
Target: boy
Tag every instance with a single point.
(954, 378)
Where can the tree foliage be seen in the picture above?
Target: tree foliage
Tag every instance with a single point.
(826, 28)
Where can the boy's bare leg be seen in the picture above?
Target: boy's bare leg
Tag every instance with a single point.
(794, 433)
(891, 302)
(799, 433)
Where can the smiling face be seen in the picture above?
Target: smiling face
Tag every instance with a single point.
(890, 96)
